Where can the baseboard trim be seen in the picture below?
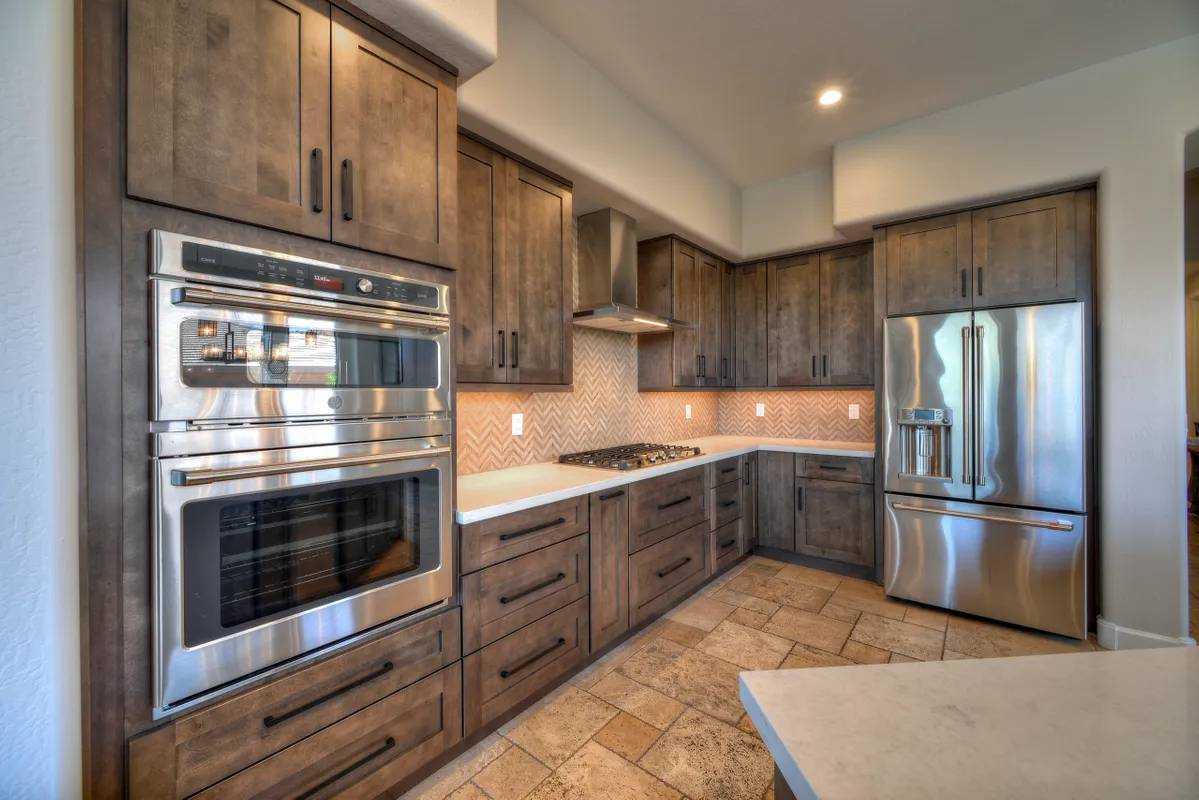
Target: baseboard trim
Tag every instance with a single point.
(1117, 637)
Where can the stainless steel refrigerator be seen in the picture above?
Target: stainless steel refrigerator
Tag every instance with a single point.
(985, 451)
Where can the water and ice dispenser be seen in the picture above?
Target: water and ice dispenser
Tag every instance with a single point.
(924, 443)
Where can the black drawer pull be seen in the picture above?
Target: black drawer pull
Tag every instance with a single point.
(662, 573)
(515, 668)
(347, 190)
(515, 349)
(332, 779)
(728, 503)
(799, 499)
(502, 340)
(612, 495)
(726, 470)
(316, 169)
(526, 531)
(673, 503)
(728, 544)
(271, 720)
(506, 599)
(832, 468)
(724, 368)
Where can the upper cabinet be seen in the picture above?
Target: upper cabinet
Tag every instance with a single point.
(514, 279)
(1028, 251)
(748, 327)
(292, 115)
(793, 320)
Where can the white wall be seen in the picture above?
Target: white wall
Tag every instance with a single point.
(1124, 122)
(39, 615)
(789, 213)
(544, 101)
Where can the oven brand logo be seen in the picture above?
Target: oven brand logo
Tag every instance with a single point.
(335, 402)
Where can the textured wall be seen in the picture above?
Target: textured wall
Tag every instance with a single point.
(820, 414)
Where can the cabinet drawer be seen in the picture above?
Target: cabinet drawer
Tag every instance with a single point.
(835, 468)
(661, 507)
(494, 540)
(726, 504)
(211, 744)
(366, 753)
(665, 572)
(727, 545)
(724, 471)
(502, 598)
(523, 664)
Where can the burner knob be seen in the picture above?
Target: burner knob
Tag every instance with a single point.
(365, 285)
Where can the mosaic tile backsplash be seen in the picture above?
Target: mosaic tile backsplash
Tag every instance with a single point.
(605, 409)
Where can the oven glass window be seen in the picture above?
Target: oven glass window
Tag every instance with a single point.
(251, 558)
(219, 353)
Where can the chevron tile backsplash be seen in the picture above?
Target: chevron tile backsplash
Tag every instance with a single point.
(605, 409)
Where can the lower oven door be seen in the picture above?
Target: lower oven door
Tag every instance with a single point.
(263, 556)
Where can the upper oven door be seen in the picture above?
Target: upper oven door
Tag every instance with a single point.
(232, 354)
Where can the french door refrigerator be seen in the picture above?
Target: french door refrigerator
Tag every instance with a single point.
(985, 452)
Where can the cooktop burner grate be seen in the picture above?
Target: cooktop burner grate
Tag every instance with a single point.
(629, 456)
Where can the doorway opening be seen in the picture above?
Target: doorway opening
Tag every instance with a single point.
(1191, 257)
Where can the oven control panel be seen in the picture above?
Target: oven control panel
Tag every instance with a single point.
(251, 266)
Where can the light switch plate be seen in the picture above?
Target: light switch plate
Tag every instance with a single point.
(759, 409)
(855, 411)
(518, 424)
(687, 411)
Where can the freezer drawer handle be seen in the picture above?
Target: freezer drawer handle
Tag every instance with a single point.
(1053, 525)
(207, 297)
(199, 477)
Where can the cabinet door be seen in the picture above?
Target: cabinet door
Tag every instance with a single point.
(686, 306)
(728, 350)
(228, 109)
(540, 246)
(793, 325)
(776, 500)
(749, 324)
(710, 319)
(749, 501)
(846, 316)
(394, 147)
(835, 520)
(609, 566)
(1024, 252)
(482, 289)
(928, 265)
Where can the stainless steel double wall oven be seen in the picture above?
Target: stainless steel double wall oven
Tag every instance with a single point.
(301, 420)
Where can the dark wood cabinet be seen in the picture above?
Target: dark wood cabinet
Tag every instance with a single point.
(793, 320)
(228, 109)
(1024, 252)
(728, 349)
(846, 316)
(749, 325)
(686, 305)
(835, 520)
(776, 505)
(711, 285)
(928, 265)
(749, 501)
(609, 566)
(516, 231)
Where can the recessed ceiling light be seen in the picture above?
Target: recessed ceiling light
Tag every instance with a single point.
(830, 97)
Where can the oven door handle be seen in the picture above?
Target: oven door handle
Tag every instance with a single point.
(208, 297)
(200, 477)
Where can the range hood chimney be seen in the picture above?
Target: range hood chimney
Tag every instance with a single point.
(608, 277)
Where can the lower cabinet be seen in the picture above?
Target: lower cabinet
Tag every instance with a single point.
(609, 566)
(727, 545)
(666, 572)
(776, 500)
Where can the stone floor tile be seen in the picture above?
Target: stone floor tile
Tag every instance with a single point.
(911, 640)
(821, 632)
(627, 736)
(615, 657)
(748, 618)
(864, 654)
(975, 637)
(596, 773)
(926, 617)
(511, 776)
(804, 656)
(868, 597)
(710, 760)
(648, 705)
(560, 728)
(468, 791)
(700, 612)
(900, 658)
(843, 613)
(954, 655)
(810, 576)
(744, 600)
(765, 567)
(745, 647)
(746, 724)
(678, 632)
(689, 676)
(444, 781)
(795, 594)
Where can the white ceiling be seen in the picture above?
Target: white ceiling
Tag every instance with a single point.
(738, 78)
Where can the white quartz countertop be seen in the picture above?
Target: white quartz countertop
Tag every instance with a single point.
(1110, 724)
(484, 495)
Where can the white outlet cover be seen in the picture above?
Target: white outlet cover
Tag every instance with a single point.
(759, 409)
(518, 424)
(687, 411)
(855, 411)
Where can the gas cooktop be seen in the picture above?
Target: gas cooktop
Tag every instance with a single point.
(629, 456)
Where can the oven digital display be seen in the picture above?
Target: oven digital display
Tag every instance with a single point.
(328, 282)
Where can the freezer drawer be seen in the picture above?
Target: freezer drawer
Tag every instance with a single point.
(1015, 565)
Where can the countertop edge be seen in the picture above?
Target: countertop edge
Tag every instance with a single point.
(783, 758)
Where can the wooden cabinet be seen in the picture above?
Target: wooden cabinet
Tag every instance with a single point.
(711, 285)
(835, 520)
(664, 573)
(749, 502)
(609, 566)
(228, 109)
(928, 265)
(728, 349)
(776, 500)
(661, 507)
(793, 320)
(514, 279)
(686, 305)
(749, 337)
(491, 541)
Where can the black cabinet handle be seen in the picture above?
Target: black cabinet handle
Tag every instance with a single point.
(524, 593)
(813, 365)
(728, 544)
(703, 366)
(728, 503)
(612, 495)
(503, 355)
(272, 720)
(672, 503)
(699, 373)
(965, 279)
(799, 498)
(724, 368)
(508, 672)
(526, 531)
(727, 470)
(832, 468)
(515, 350)
(316, 170)
(662, 573)
(824, 365)
(347, 190)
(980, 281)
(388, 743)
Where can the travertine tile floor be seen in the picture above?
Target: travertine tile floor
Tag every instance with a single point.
(659, 717)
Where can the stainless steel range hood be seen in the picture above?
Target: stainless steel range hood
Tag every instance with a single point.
(608, 277)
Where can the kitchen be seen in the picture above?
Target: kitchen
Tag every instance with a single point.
(459, 415)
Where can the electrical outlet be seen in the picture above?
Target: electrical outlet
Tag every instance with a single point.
(759, 409)
(687, 411)
(518, 424)
(855, 411)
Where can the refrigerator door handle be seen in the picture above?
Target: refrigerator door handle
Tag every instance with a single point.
(1053, 525)
(965, 422)
(980, 478)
